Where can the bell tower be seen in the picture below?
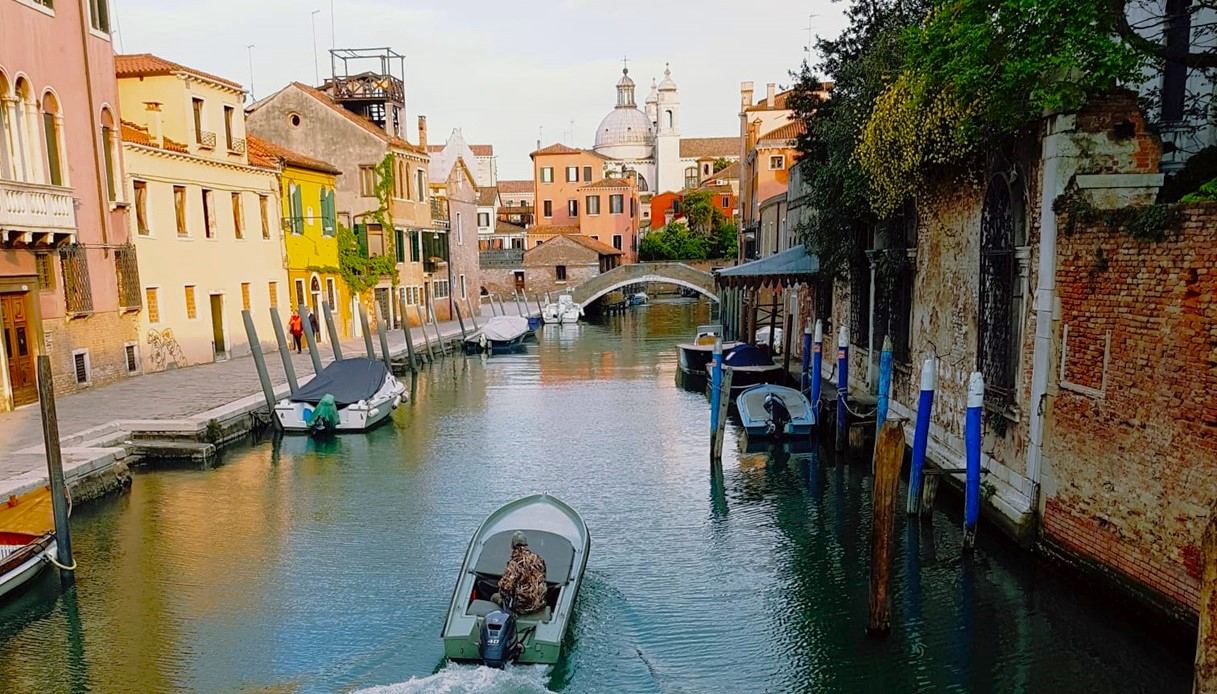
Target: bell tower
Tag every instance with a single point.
(667, 135)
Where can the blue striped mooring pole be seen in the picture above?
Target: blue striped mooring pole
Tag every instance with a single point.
(805, 375)
(842, 388)
(716, 381)
(921, 433)
(885, 383)
(817, 367)
(971, 436)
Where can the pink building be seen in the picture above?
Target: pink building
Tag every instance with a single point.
(68, 283)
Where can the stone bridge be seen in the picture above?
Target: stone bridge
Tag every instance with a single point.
(625, 275)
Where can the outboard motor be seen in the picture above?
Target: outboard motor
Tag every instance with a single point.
(779, 416)
(497, 646)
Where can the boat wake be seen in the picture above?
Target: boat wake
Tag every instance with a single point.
(472, 679)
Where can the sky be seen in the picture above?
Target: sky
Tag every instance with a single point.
(506, 73)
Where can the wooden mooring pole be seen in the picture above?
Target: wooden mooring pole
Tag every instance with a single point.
(405, 328)
(54, 464)
(724, 403)
(473, 315)
(369, 350)
(422, 324)
(314, 352)
(328, 313)
(285, 352)
(382, 329)
(255, 348)
(889, 454)
(460, 319)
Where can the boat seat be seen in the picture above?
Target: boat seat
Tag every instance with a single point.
(557, 551)
(481, 608)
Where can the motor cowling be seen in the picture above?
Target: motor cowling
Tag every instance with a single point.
(497, 647)
(779, 416)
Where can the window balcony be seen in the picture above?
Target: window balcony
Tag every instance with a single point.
(36, 215)
(439, 213)
(207, 140)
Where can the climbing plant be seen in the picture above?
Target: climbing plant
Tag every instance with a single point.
(1157, 222)
(359, 272)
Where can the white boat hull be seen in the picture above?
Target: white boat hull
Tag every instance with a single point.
(360, 416)
(756, 420)
(15, 578)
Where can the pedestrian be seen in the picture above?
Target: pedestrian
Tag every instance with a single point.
(296, 327)
(312, 323)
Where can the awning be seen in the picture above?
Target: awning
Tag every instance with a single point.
(792, 266)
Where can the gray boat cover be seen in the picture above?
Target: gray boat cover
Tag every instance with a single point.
(505, 328)
(348, 380)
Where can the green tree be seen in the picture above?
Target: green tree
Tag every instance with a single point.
(720, 164)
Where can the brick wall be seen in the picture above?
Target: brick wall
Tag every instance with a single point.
(103, 335)
(1132, 470)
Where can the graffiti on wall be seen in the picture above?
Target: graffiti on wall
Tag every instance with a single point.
(164, 350)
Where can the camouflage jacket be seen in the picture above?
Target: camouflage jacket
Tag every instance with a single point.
(523, 582)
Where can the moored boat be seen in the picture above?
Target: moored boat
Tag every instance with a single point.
(500, 334)
(348, 395)
(751, 365)
(695, 356)
(768, 410)
(568, 310)
(479, 630)
(22, 557)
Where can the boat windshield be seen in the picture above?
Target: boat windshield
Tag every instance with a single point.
(557, 551)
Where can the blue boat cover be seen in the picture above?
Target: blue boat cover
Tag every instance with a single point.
(748, 355)
(348, 380)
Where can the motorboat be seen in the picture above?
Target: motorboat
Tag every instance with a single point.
(773, 411)
(751, 365)
(550, 313)
(352, 394)
(568, 310)
(22, 557)
(695, 356)
(478, 629)
(762, 338)
(500, 334)
(639, 299)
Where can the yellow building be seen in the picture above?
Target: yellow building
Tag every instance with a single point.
(310, 234)
(205, 214)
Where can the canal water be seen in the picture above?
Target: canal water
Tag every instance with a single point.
(297, 566)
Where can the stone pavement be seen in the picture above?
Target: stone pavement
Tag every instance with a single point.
(169, 395)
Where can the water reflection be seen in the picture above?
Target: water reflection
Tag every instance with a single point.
(319, 566)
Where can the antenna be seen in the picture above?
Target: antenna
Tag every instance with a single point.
(810, 36)
(250, 48)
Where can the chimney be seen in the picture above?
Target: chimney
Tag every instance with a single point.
(422, 132)
(745, 95)
(155, 127)
(770, 91)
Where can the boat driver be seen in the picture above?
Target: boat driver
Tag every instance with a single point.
(522, 587)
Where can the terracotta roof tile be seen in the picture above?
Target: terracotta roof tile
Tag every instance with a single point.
(784, 133)
(516, 186)
(613, 183)
(148, 65)
(554, 229)
(593, 244)
(275, 155)
(779, 100)
(488, 196)
(357, 119)
(695, 147)
(138, 135)
(731, 173)
(559, 148)
(478, 150)
(502, 227)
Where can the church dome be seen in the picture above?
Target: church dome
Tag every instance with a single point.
(626, 132)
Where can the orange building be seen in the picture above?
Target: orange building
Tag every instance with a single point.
(558, 173)
(610, 214)
(573, 196)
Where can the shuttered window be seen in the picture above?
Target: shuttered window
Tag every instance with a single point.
(238, 218)
(192, 310)
(272, 291)
(153, 306)
(245, 296)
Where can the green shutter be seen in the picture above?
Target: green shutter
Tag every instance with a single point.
(361, 235)
(400, 247)
(297, 211)
(416, 246)
(327, 212)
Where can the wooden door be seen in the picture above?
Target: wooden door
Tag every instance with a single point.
(19, 335)
(217, 325)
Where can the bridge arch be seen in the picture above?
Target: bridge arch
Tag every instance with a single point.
(662, 273)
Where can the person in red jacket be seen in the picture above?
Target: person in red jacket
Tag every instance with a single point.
(295, 326)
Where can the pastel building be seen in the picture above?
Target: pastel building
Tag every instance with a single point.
(310, 234)
(69, 281)
(204, 214)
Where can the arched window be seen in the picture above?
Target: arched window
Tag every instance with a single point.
(1002, 230)
(895, 265)
(6, 130)
(110, 154)
(691, 177)
(642, 184)
(668, 119)
(52, 134)
(24, 130)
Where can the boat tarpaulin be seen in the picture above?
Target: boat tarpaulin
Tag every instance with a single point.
(505, 328)
(348, 380)
(791, 266)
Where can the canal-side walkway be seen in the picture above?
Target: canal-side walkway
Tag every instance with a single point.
(96, 425)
